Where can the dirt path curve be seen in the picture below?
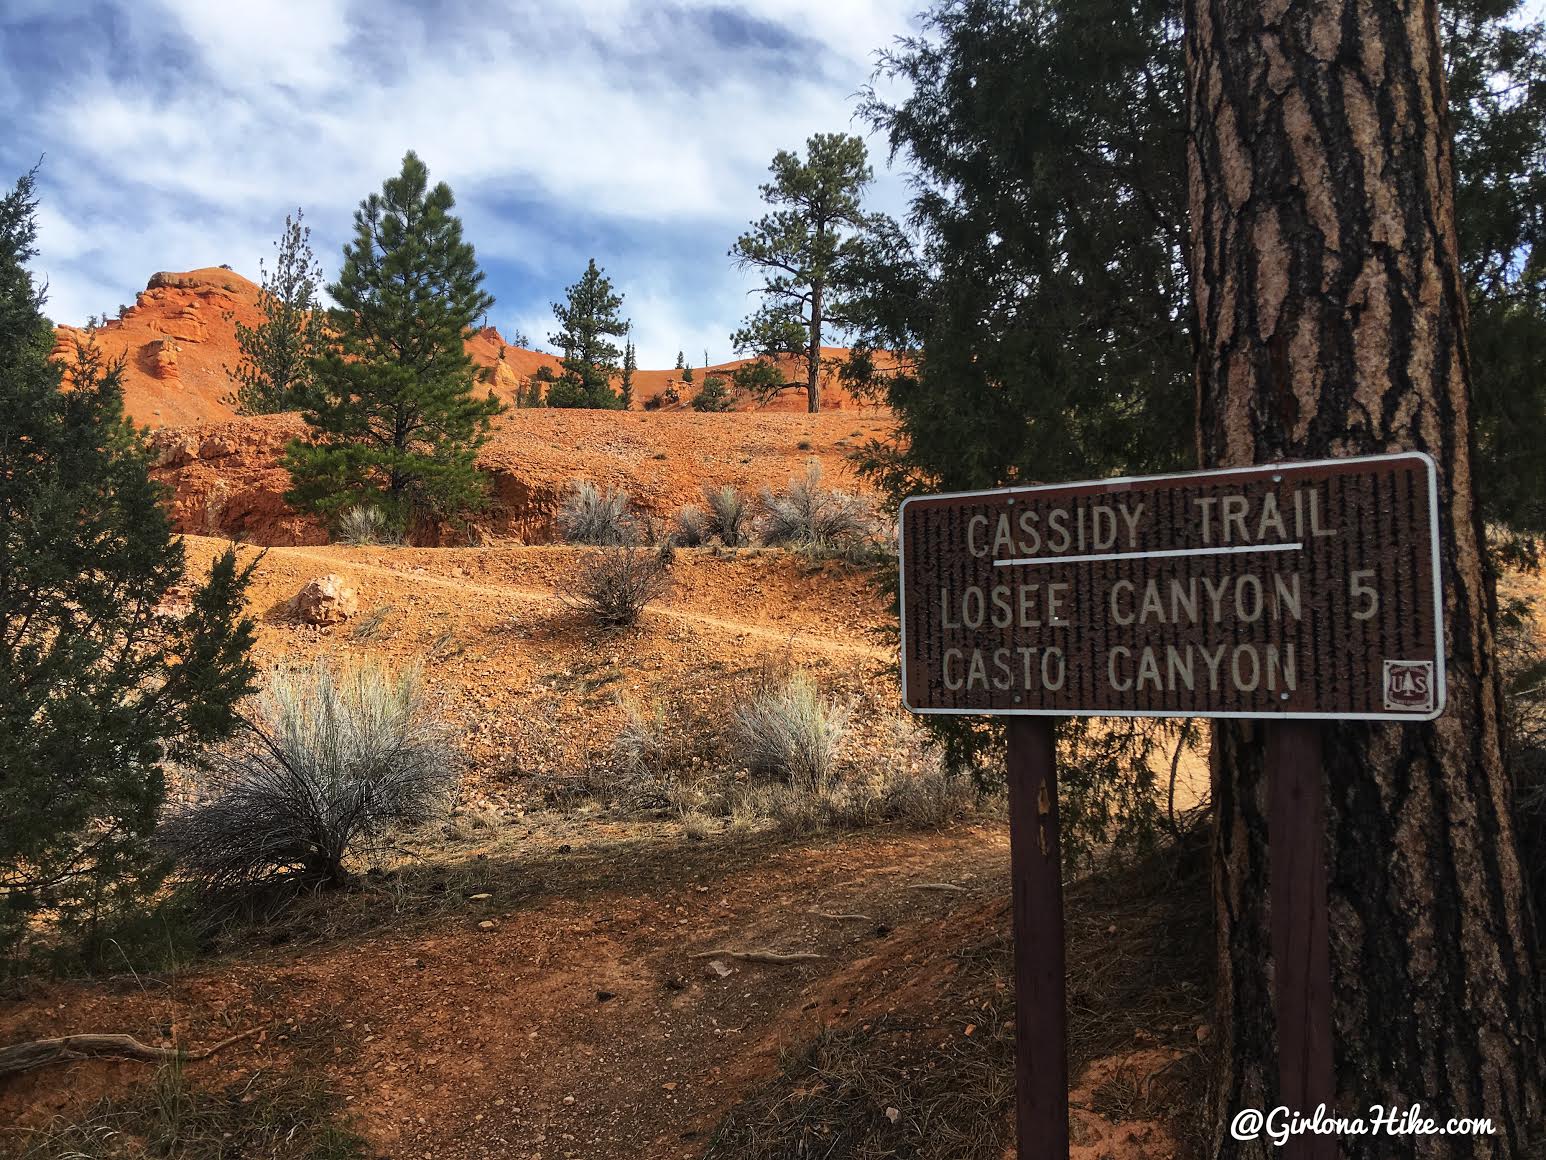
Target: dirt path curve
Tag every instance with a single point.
(581, 1025)
(547, 597)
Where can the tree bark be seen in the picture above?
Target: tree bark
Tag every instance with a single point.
(1332, 321)
(813, 356)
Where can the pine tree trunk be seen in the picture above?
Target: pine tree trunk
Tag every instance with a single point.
(813, 356)
(1332, 321)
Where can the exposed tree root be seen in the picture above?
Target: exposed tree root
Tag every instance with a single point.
(20, 1057)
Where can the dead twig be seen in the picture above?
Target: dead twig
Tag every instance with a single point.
(951, 886)
(20, 1057)
(841, 917)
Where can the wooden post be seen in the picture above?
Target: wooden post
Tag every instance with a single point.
(1296, 832)
(1041, 1007)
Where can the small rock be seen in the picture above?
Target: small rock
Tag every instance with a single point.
(416, 964)
(486, 924)
(716, 970)
(893, 1114)
(479, 897)
(568, 1099)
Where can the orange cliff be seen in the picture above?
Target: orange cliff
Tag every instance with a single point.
(178, 343)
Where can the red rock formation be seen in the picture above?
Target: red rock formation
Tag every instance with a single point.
(178, 343)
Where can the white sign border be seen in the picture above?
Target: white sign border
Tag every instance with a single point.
(1441, 694)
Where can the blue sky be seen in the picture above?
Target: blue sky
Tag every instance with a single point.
(178, 133)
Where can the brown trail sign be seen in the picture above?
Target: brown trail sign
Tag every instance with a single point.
(1287, 592)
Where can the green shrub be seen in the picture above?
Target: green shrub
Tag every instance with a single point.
(714, 396)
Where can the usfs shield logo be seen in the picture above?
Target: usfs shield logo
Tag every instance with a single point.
(1409, 686)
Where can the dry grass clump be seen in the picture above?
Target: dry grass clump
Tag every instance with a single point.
(280, 1114)
(906, 784)
(693, 527)
(329, 764)
(728, 519)
(365, 524)
(789, 730)
(616, 585)
(730, 516)
(811, 518)
(652, 764)
(589, 515)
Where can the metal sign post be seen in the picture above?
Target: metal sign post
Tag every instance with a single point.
(1286, 592)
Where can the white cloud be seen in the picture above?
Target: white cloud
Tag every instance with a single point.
(600, 118)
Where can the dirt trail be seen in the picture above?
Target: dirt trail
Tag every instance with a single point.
(336, 558)
(581, 1025)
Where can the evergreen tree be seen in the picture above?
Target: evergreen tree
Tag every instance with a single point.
(808, 250)
(99, 686)
(687, 373)
(588, 320)
(396, 420)
(277, 368)
(630, 365)
(713, 397)
(678, 360)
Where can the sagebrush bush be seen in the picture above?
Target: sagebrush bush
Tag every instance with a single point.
(791, 731)
(366, 524)
(330, 762)
(730, 516)
(592, 516)
(616, 585)
(810, 517)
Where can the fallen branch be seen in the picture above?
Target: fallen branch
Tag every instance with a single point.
(761, 956)
(20, 1057)
(841, 917)
(939, 886)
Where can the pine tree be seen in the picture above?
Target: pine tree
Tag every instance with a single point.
(630, 365)
(277, 369)
(396, 420)
(713, 397)
(588, 319)
(687, 373)
(807, 250)
(678, 360)
(99, 687)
